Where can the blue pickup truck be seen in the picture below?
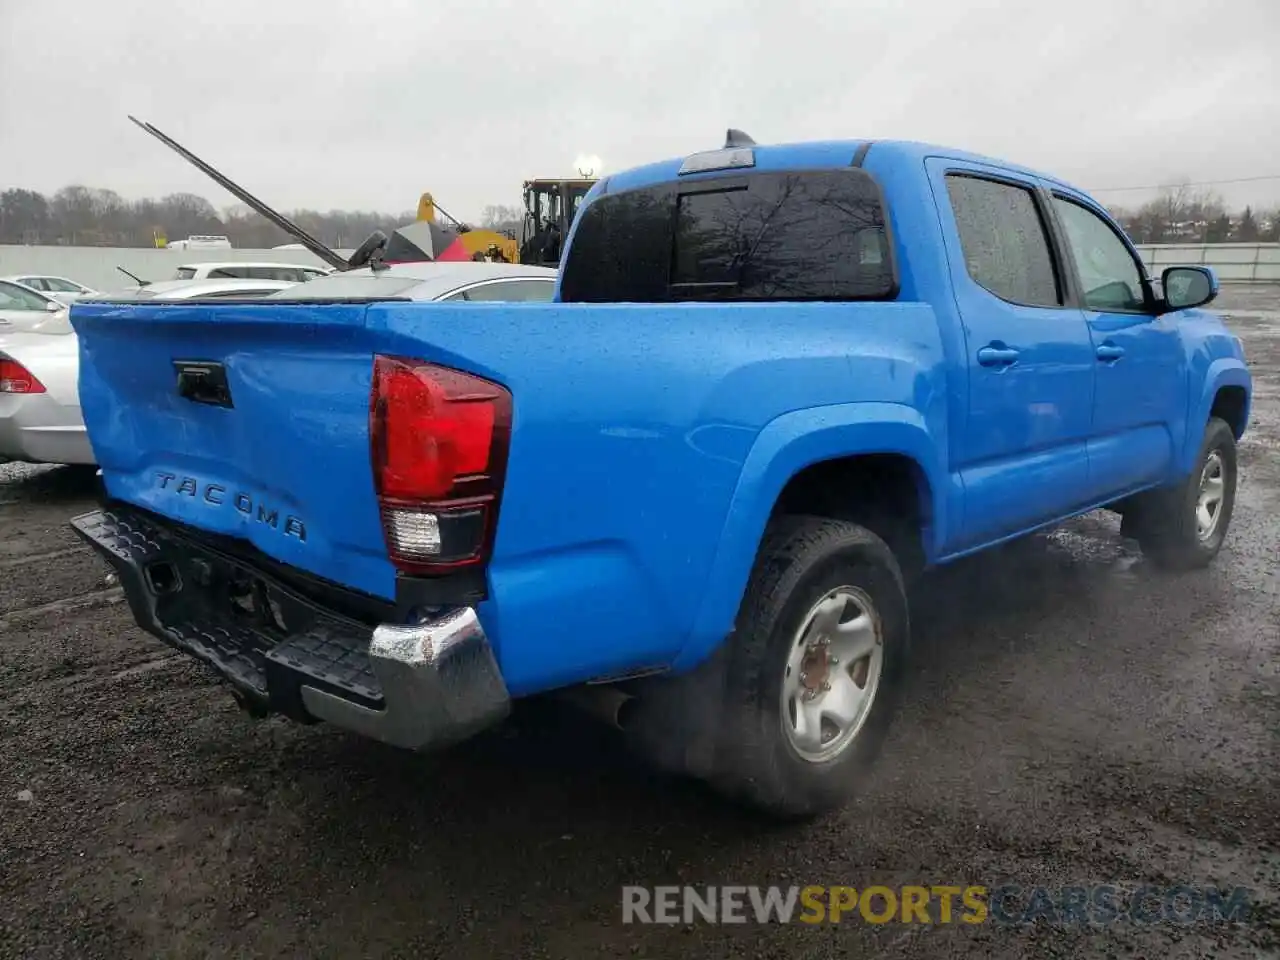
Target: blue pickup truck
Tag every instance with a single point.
(774, 385)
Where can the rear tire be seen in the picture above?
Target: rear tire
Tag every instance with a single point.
(813, 668)
(1183, 527)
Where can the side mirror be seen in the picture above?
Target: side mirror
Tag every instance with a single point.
(52, 307)
(1186, 287)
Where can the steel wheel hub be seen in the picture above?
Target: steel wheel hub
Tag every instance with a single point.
(1212, 494)
(832, 673)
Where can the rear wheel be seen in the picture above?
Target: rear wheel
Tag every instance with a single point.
(1183, 528)
(813, 667)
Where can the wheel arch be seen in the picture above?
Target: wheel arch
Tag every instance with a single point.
(1226, 393)
(793, 453)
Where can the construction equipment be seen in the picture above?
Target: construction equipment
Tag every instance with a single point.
(549, 209)
(479, 243)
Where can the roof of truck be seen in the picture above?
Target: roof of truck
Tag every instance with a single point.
(817, 154)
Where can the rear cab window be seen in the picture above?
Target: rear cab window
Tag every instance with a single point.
(775, 235)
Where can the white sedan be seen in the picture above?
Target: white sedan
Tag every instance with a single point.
(22, 308)
(60, 288)
(40, 416)
(468, 280)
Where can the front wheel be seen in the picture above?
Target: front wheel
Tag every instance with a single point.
(813, 667)
(1183, 528)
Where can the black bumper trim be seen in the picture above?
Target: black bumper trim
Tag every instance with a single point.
(418, 685)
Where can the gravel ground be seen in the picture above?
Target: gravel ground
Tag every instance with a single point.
(1073, 717)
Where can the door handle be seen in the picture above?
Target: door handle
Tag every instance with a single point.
(997, 356)
(1109, 352)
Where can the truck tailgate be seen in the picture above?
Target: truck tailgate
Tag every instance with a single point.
(246, 419)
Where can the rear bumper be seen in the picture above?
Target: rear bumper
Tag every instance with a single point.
(418, 686)
(37, 428)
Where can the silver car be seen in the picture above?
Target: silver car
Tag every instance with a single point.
(468, 280)
(60, 288)
(209, 289)
(22, 308)
(292, 272)
(40, 418)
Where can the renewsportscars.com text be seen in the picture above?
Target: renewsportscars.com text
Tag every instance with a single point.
(938, 904)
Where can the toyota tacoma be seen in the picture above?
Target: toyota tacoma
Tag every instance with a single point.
(774, 385)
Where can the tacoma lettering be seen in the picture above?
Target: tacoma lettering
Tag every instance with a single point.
(216, 495)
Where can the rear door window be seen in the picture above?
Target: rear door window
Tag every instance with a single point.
(819, 235)
(1004, 240)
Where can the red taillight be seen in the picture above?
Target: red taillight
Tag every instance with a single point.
(439, 441)
(15, 378)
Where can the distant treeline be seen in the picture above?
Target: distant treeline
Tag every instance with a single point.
(1183, 215)
(89, 216)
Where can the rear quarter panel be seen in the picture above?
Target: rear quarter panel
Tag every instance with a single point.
(648, 446)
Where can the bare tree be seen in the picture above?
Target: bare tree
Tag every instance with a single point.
(502, 218)
(24, 217)
(1247, 228)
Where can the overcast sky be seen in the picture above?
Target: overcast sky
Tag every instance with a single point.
(349, 104)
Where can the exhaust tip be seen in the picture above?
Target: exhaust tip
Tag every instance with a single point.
(603, 702)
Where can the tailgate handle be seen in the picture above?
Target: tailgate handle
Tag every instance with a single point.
(203, 382)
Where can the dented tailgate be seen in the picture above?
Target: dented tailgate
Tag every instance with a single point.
(244, 419)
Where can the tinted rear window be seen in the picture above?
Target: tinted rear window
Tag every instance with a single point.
(817, 235)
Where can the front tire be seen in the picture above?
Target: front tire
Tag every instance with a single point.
(813, 668)
(1183, 528)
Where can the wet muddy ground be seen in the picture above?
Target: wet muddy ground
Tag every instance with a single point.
(1073, 717)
